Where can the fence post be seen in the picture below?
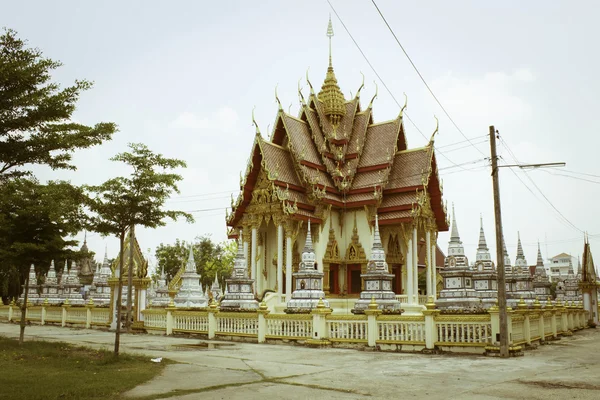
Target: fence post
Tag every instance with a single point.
(495, 322)
(372, 312)
(213, 310)
(170, 308)
(524, 311)
(43, 312)
(88, 320)
(320, 335)
(430, 329)
(262, 312)
(10, 310)
(66, 305)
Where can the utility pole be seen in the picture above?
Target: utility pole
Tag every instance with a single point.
(499, 247)
(502, 310)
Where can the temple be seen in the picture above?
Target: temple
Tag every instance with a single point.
(333, 164)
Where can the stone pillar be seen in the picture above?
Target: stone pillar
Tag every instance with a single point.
(288, 267)
(409, 271)
(142, 305)
(65, 310)
(428, 263)
(245, 241)
(262, 312)
(553, 324)
(88, 309)
(280, 262)
(320, 336)
(253, 274)
(372, 332)
(212, 319)
(430, 330)
(261, 283)
(43, 312)
(433, 269)
(170, 309)
(495, 322)
(10, 311)
(415, 267)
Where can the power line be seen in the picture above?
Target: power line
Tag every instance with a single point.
(573, 177)
(423, 79)
(382, 81)
(537, 187)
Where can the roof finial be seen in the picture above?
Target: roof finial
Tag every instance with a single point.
(330, 35)
(437, 125)
(277, 98)
(254, 120)
(405, 104)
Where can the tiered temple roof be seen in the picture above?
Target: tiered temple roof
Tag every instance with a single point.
(333, 154)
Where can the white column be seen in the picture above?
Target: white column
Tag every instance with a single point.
(142, 305)
(415, 255)
(260, 278)
(428, 263)
(253, 260)
(288, 269)
(409, 271)
(246, 251)
(433, 271)
(280, 261)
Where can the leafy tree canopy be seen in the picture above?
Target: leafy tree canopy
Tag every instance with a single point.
(35, 113)
(35, 220)
(211, 258)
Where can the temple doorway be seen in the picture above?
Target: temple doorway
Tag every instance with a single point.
(353, 278)
(397, 281)
(334, 286)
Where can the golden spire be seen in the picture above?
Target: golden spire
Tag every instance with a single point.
(330, 95)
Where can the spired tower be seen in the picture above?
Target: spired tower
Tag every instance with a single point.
(485, 279)
(589, 284)
(100, 289)
(309, 282)
(458, 292)
(32, 292)
(333, 163)
(572, 285)
(50, 288)
(522, 287)
(239, 295)
(190, 293)
(541, 283)
(378, 281)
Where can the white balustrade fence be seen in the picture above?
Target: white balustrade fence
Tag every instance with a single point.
(431, 330)
(468, 330)
(400, 329)
(347, 328)
(190, 321)
(289, 326)
(240, 324)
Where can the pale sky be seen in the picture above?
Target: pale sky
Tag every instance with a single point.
(183, 77)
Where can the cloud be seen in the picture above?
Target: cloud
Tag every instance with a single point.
(224, 119)
(482, 99)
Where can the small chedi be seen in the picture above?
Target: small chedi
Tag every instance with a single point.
(215, 289)
(377, 281)
(190, 293)
(239, 293)
(100, 289)
(458, 292)
(309, 282)
(32, 293)
(161, 293)
(485, 278)
(71, 286)
(521, 282)
(541, 283)
(51, 289)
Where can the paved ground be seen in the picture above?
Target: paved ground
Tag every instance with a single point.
(569, 368)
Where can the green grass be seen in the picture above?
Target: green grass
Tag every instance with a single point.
(44, 370)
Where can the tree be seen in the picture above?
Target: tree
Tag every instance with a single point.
(122, 203)
(35, 113)
(211, 259)
(35, 220)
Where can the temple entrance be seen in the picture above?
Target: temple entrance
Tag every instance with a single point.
(353, 278)
(397, 281)
(334, 286)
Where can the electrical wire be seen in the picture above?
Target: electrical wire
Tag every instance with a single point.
(537, 187)
(383, 82)
(423, 79)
